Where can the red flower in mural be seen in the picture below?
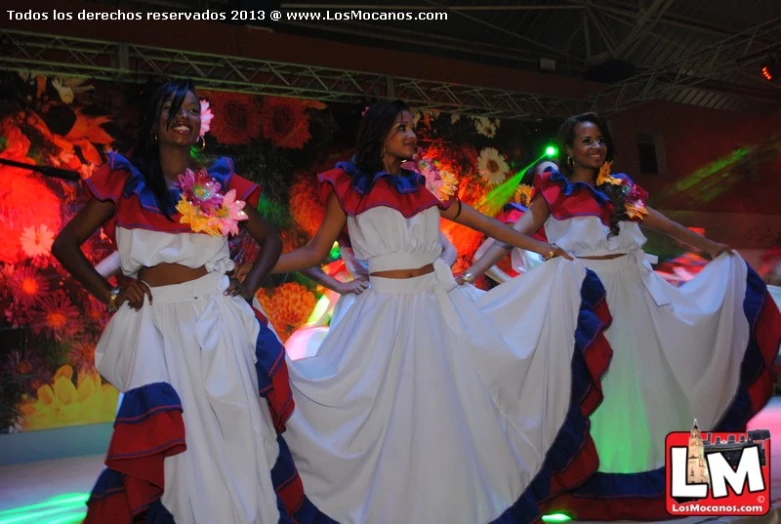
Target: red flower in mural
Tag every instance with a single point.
(27, 371)
(13, 143)
(96, 312)
(58, 317)
(82, 355)
(235, 117)
(27, 286)
(25, 202)
(288, 306)
(285, 122)
(305, 206)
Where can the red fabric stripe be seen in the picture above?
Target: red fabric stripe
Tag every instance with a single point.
(292, 494)
(138, 451)
(280, 398)
(113, 508)
(768, 336)
(586, 462)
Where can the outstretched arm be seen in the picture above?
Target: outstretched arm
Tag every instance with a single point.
(468, 216)
(317, 249)
(658, 222)
(530, 222)
(316, 274)
(449, 252)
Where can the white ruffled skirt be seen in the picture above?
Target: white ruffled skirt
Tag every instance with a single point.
(700, 351)
(192, 431)
(417, 408)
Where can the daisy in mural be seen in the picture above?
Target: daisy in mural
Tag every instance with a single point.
(27, 286)
(36, 242)
(58, 317)
(492, 166)
(486, 127)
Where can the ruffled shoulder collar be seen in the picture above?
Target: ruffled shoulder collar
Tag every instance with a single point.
(362, 182)
(222, 171)
(569, 188)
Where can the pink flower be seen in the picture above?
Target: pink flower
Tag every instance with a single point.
(230, 214)
(200, 189)
(206, 117)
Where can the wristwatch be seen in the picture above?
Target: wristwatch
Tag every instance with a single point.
(112, 301)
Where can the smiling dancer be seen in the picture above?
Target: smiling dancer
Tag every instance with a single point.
(704, 350)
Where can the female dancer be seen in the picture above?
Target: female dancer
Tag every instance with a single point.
(306, 341)
(521, 260)
(193, 441)
(416, 408)
(703, 350)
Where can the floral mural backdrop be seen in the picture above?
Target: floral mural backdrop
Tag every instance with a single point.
(49, 324)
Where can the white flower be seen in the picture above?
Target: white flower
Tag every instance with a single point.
(485, 126)
(66, 93)
(206, 117)
(492, 166)
(37, 242)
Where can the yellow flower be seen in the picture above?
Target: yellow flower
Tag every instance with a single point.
(523, 194)
(605, 177)
(636, 210)
(198, 223)
(62, 403)
(449, 186)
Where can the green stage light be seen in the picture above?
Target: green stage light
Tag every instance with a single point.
(551, 151)
(556, 517)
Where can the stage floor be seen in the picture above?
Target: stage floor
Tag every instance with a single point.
(54, 491)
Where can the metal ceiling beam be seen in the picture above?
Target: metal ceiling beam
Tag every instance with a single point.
(113, 61)
(697, 69)
(643, 24)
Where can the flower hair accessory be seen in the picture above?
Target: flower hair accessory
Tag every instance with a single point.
(605, 176)
(635, 196)
(439, 181)
(205, 208)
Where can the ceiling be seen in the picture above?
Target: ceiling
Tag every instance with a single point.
(701, 52)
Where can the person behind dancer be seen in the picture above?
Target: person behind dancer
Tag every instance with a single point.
(194, 440)
(703, 350)
(520, 261)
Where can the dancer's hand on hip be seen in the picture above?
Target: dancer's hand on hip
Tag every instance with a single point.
(133, 294)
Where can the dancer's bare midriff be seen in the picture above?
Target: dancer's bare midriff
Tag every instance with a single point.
(170, 274)
(404, 273)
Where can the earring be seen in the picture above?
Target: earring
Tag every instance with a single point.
(203, 142)
(154, 137)
(570, 162)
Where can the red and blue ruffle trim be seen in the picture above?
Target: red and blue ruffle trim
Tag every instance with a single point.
(121, 182)
(641, 496)
(512, 212)
(358, 191)
(148, 428)
(568, 199)
(572, 458)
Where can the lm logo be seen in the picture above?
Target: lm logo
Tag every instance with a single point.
(718, 474)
